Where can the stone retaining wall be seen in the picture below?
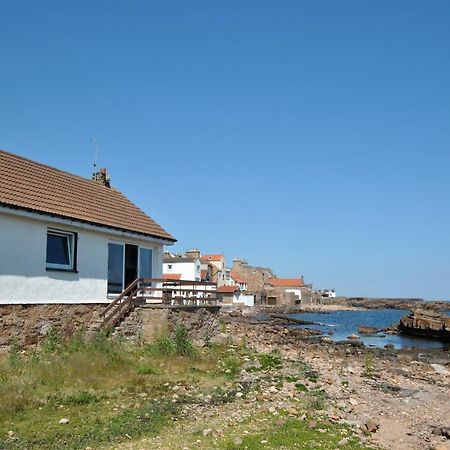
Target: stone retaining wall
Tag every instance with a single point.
(29, 324)
(148, 323)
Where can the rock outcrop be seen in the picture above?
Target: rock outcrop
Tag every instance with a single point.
(427, 323)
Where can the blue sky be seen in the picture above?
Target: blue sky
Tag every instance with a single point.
(312, 137)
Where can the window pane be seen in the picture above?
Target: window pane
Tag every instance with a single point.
(115, 268)
(58, 249)
(145, 263)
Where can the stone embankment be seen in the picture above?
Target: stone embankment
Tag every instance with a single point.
(427, 323)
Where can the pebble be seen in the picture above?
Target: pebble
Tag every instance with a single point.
(207, 431)
(237, 441)
(64, 421)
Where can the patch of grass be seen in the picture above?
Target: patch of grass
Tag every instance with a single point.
(270, 360)
(369, 365)
(79, 433)
(318, 399)
(294, 434)
(301, 387)
(81, 398)
(147, 369)
(178, 345)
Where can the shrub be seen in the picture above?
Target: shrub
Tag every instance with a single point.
(179, 345)
(81, 398)
(146, 369)
(183, 345)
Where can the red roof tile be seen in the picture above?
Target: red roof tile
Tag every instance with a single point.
(285, 282)
(227, 289)
(172, 276)
(206, 258)
(237, 278)
(37, 187)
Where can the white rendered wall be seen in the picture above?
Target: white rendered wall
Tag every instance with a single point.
(23, 275)
(297, 292)
(247, 300)
(187, 270)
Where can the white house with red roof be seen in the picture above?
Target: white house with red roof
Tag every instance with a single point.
(68, 239)
(182, 267)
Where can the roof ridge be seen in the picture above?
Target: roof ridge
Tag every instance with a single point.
(55, 191)
(48, 166)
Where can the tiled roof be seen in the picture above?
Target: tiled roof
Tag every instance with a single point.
(227, 289)
(206, 258)
(178, 259)
(285, 282)
(236, 277)
(172, 276)
(37, 187)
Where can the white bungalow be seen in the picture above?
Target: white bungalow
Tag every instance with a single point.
(67, 239)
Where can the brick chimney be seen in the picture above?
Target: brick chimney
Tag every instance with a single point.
(102, 177)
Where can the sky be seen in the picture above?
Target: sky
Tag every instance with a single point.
(312, 137)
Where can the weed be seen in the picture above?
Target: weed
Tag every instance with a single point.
(179, 345)
(183, 345)
(318, 397)
(52, 341)
(270, 360)
(146, 369)
(301, 387)
(369, 367)
(14, 353)
(81, 398)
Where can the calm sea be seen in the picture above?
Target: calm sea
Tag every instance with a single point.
(345, 323)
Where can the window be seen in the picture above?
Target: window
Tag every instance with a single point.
(115, 268)
(169, 266)
(125, 262)
(145, 263)
(61, 250)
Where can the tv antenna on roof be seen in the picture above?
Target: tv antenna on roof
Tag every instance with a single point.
(94, 141)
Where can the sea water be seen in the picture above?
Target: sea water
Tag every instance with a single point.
(344, 323)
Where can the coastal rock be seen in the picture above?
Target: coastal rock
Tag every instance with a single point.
(364, 329)
(439, 369)
(426, 323)
(220, 339)
(371, 425)
(353, 337)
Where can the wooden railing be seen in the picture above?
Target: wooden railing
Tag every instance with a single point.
(158, 290)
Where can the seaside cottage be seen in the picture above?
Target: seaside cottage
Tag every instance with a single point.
(67, 240)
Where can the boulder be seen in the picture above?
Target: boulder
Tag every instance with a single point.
(364, 329)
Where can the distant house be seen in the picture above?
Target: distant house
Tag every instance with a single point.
(284, 290)
(237, 280)
(187, 267)
(329, 293)
(233, 295)
(228, 294)
(255, 277)
(67, 239)
(215, 265)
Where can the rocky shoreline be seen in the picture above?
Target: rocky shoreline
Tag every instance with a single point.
(403, 394)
